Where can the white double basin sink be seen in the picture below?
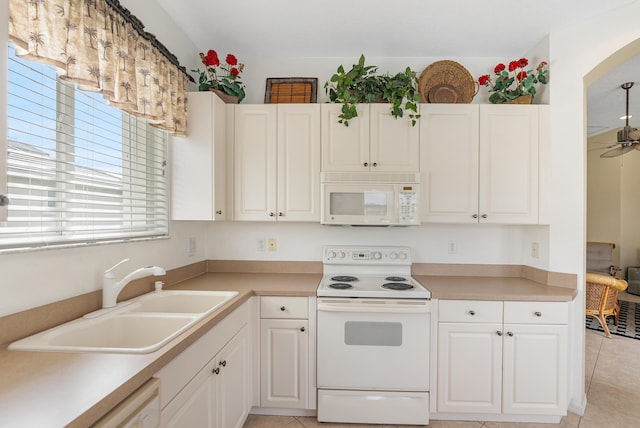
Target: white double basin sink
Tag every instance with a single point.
(138, 326)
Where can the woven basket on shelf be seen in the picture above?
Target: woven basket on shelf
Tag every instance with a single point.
(446, 82)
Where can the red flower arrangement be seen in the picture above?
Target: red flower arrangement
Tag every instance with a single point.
(504, 90)
(224, 77)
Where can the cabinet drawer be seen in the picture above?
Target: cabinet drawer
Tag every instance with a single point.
(536, 312)
(284, 307)
(482, 311)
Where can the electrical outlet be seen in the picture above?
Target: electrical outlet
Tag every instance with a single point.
(535, 250)
(452, 248)
(262, 245)
(272, 244)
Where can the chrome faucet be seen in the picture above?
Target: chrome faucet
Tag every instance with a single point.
(112, 288)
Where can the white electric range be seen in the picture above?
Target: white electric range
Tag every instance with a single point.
(373, 337)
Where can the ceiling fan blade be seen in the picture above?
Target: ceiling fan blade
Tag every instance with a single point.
(619, 151)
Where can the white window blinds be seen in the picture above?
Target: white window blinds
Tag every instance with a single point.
(78, 171)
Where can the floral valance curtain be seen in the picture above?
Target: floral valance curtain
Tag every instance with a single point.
(92, 44)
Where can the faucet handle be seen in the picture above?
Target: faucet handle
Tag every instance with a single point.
(109, 272)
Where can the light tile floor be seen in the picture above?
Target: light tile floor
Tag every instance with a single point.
(612, 369)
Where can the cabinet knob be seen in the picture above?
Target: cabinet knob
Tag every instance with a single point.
(375, 164)
(484, 216)
(219, 212)
(280, 214)
(538, 314)
(472, 312)
(499, 333)
(215, 371)
(282, 308)
(366, 164)
(271, 214)
(510, 333)
(223, 363)
(475, 216)
(302, 329)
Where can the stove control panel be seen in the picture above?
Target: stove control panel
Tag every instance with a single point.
(384, 255)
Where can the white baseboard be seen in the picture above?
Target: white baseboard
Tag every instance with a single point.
(281, 412)
(578, 408)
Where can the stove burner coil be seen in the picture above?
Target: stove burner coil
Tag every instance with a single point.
(340, 285)
(344, 278)
(395, 278)
(397, 286)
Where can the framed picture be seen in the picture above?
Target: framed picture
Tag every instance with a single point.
(291, 90)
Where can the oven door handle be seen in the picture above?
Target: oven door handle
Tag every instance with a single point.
(353, 306)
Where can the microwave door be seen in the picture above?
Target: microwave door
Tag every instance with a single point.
(359, 205)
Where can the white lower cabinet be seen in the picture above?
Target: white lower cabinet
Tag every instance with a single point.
(502, 358)
(287, 355)
(208, 384)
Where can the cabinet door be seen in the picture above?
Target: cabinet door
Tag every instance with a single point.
(509, 164)
(194, 405)
(394, 143)
(232, 382)
(469, 367)
(449, 141)
(198, 162)
(298, 162)
(344, 148)
(535, 369)
(284, 365)
(255, 162)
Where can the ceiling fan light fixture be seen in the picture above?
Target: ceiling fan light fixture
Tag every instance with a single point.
(628, 137)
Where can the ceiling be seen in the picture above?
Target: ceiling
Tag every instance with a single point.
(606, 100)
(402, 28)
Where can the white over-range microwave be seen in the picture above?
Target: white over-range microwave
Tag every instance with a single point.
(370, 198)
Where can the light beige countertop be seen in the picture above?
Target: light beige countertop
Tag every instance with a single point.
(493, 288)
(56, 389)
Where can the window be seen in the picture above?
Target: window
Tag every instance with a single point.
(78, 170)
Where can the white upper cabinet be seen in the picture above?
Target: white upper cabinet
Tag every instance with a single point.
(480, 163)
(254, 153)
(276, 162)
(344, 148)
(449, 136)
(509, 164)
(373, 141)
(198, 162)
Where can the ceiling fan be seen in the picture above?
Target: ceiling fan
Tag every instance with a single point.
(628, 137)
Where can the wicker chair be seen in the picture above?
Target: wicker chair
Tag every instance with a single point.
(602, 298)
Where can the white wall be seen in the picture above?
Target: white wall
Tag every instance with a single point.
(575, 56)
(483, 244)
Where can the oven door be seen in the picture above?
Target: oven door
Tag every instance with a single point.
(373, 344)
